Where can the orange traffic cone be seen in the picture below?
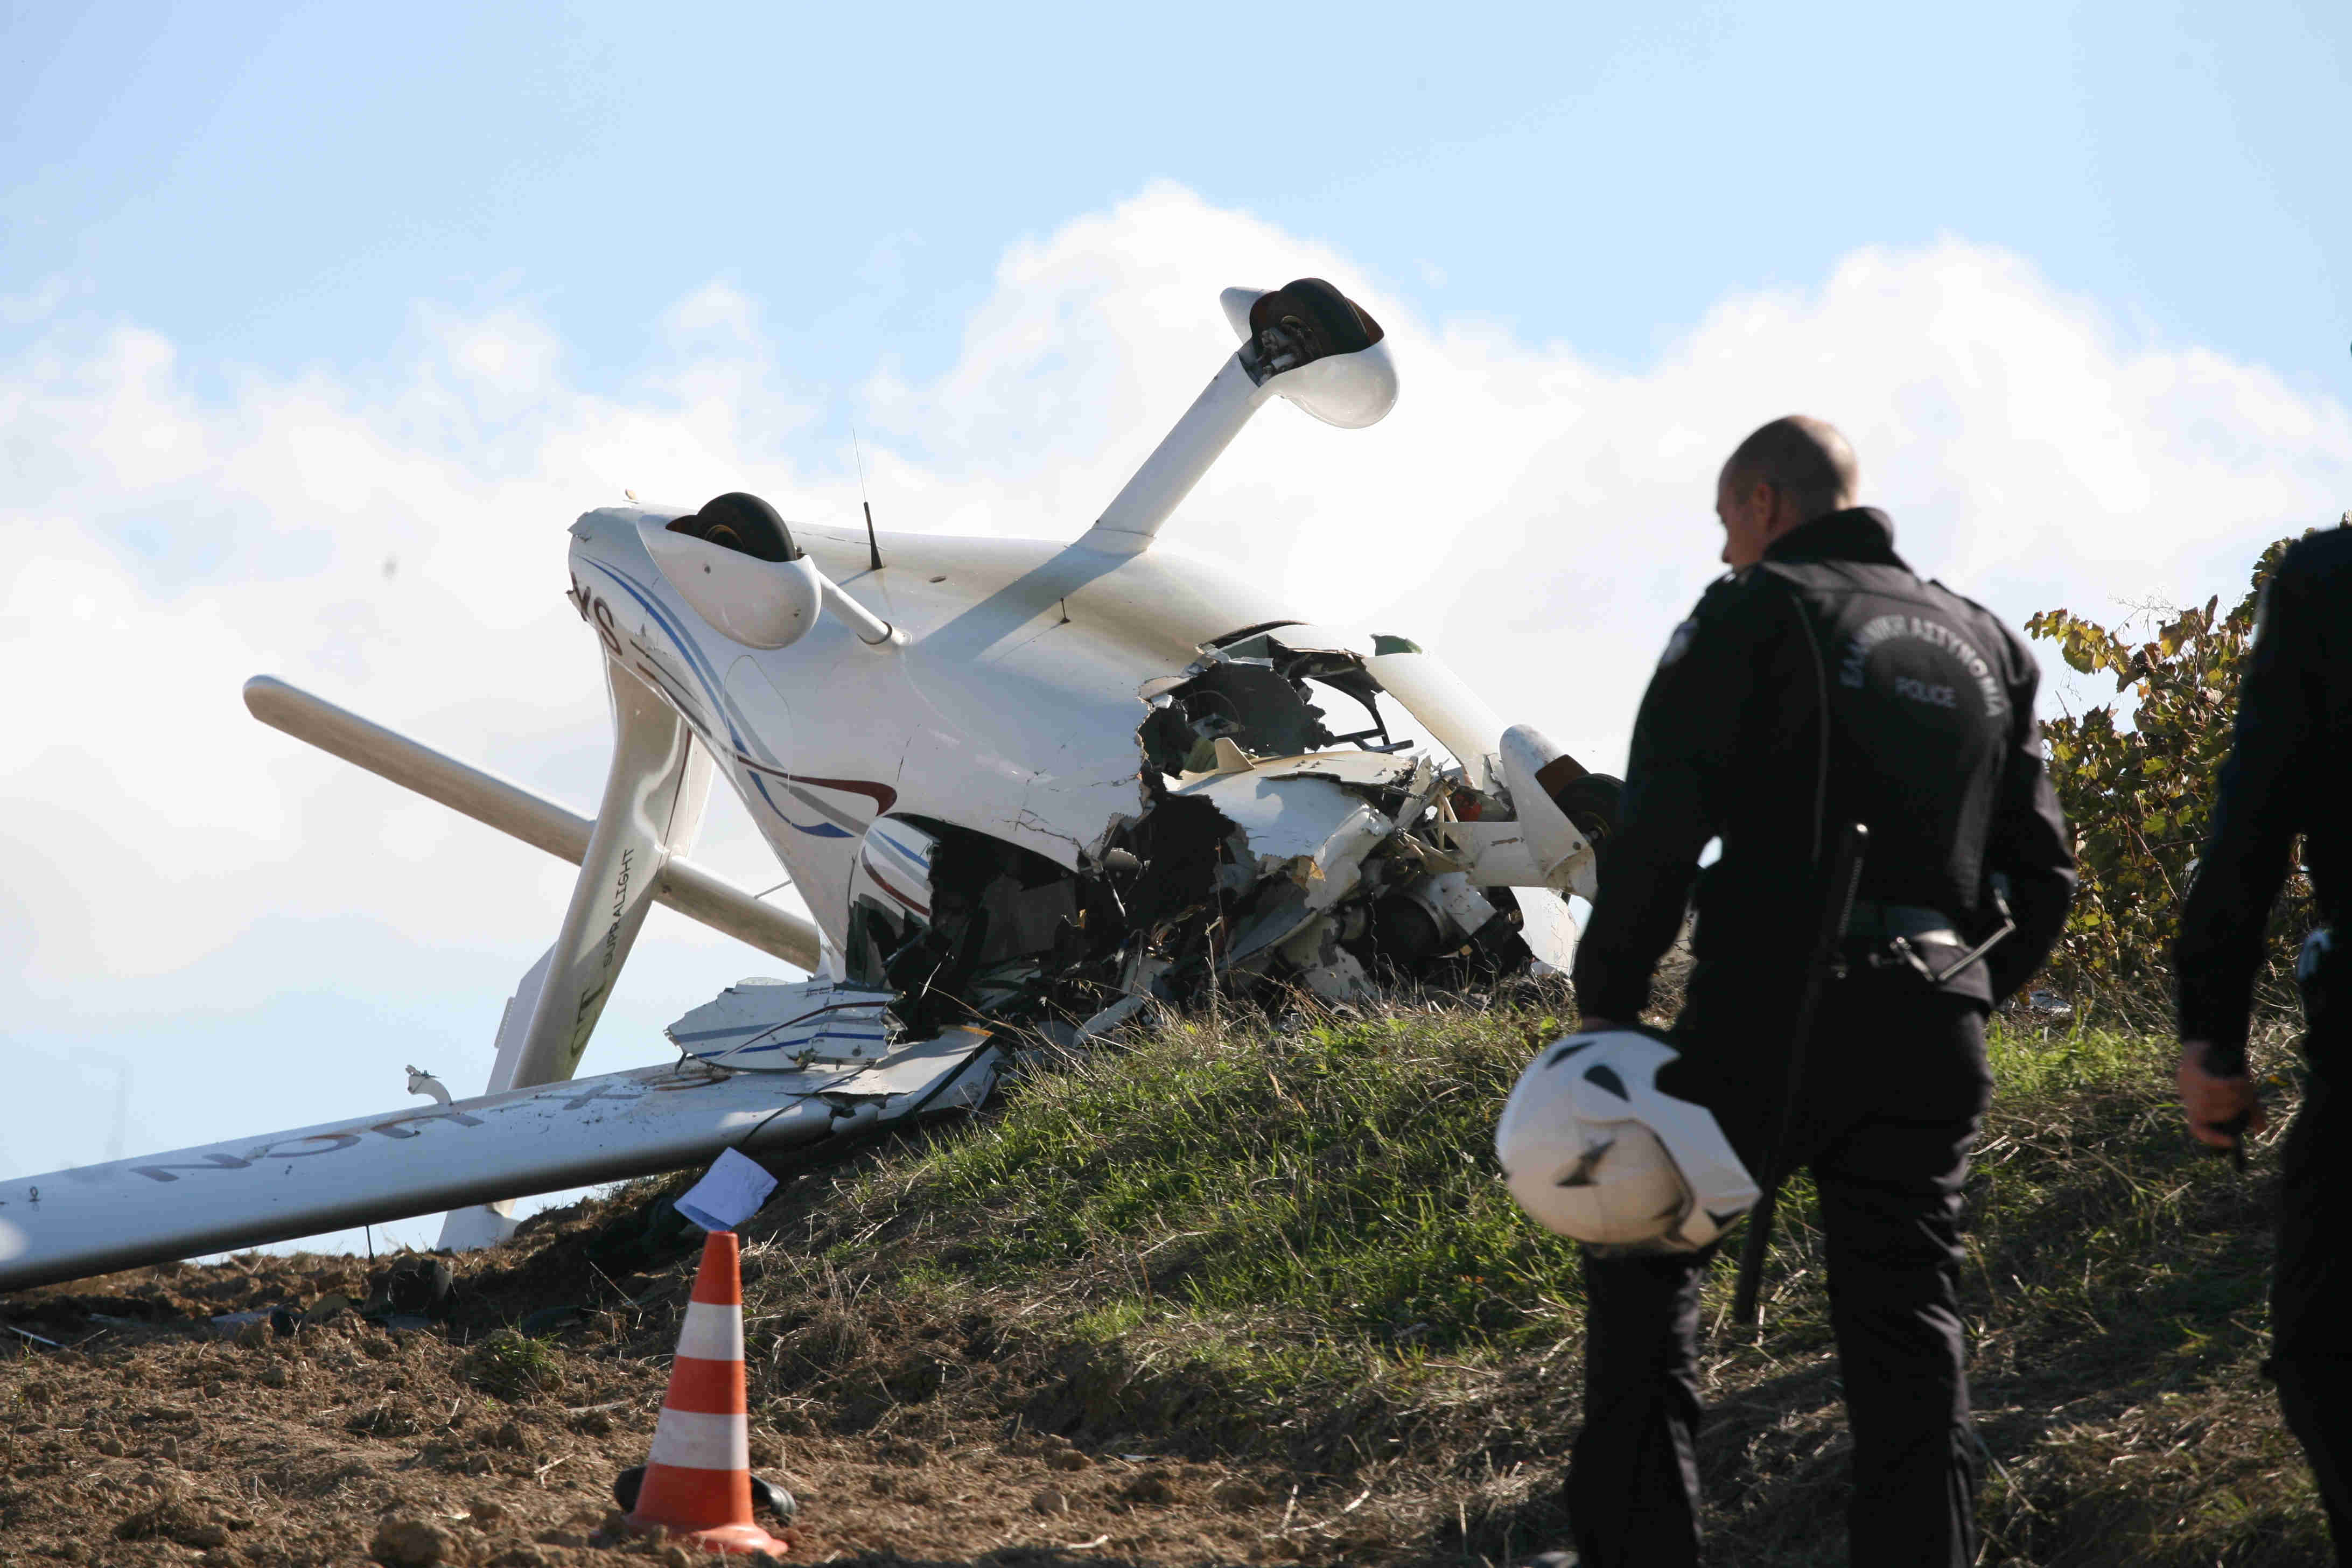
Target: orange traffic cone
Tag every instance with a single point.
(697, 1481)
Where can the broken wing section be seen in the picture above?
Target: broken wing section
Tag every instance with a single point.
(776, 1025)
(128, 1213)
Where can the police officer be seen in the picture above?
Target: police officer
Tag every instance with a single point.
(1821, 682)
(2289, 773)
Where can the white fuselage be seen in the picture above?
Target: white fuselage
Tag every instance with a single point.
(1006, 700)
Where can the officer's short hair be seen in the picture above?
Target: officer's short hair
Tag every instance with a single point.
(1803, 457)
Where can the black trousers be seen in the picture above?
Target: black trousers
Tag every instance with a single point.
(1895, 1089)
(2311, 1297)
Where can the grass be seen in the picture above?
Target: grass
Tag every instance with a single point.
(1339, 1169)
(508, 1366)
(1288, 1239)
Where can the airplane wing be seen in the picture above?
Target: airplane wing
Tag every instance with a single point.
(94, 1219)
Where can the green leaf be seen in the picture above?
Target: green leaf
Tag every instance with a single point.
(2135, 780)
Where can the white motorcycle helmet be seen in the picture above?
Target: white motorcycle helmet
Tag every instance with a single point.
(1592, 1149)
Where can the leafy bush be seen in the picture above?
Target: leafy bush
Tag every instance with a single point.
(2138, 787)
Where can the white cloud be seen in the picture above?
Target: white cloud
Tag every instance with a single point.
(1542, 520)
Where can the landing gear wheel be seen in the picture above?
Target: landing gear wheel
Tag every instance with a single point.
(739, 521)
(1591, 803)
(1313, 321)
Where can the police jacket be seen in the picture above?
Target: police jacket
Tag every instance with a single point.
(2289, 773)
(1828, 684)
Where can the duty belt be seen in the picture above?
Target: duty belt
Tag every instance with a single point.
(1891, 935)
(1874, 921)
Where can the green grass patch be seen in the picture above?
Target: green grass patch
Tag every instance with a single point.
(1238, 1237)
(1340, 1173)
(509, 1366)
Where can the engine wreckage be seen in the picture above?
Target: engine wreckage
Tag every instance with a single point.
(1267, 851)
(1025, 789)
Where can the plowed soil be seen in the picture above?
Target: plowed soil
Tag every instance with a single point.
(149, 1433)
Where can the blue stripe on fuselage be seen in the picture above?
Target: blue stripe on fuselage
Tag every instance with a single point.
(703, 672)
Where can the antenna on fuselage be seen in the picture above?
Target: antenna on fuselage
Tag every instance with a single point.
(872, 549)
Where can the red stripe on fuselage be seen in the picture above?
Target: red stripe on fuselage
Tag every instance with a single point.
(895, 893)
(882, 794)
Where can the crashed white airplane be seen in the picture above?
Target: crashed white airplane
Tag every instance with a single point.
(1024, 787)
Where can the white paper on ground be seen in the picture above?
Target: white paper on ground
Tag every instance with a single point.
(730, 1193)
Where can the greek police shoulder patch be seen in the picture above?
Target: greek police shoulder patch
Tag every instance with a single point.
(1679, 644)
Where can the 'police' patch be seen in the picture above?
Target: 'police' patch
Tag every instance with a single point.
(1679, 643)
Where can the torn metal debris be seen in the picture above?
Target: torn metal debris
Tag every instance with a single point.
(1272, 845)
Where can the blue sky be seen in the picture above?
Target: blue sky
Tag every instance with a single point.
(317, 325)
(276, 186)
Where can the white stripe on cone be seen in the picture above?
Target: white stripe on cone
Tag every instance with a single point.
(711, 1332)
(693, 1442)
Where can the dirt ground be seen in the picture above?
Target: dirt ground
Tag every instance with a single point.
(928, 1410)
(150, 1434)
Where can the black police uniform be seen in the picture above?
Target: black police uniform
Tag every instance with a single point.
(1826, 685)
(2289, 773)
